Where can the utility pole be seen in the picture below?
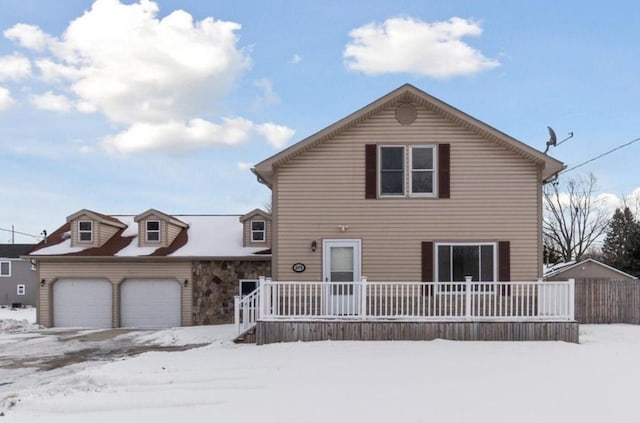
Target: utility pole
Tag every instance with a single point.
(13, 235)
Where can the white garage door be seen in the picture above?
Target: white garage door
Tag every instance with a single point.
(150, 303)
(84, 303)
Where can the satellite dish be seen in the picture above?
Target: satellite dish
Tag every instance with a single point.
(552, 137)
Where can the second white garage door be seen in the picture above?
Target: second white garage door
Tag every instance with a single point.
(150, 303)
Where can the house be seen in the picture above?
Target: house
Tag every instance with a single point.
(147, 271)
(587, 269)
(407, 189)
(17, 276)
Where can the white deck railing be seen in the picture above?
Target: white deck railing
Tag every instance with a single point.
(407, 301)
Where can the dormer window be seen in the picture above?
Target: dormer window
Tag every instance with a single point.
(153, 231)
(258, 230)
(85, 231)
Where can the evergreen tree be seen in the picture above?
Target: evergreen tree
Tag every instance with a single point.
(621, 239)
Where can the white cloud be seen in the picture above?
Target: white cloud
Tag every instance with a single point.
(14, 67)
(6, 101)
(407, 45)
(244, 165)
(276, 135)
(28, 36)
(51, 101)
(176, 136)
(154, 77)
(295, 59)
(268, 97)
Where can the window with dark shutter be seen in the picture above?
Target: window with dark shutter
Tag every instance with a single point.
(427, 265)
(504, 265)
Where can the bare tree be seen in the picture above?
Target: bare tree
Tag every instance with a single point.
(574, 217)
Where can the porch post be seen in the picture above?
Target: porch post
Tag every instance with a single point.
(467, 297)
(262, 298)
(236, 312)
(572, 299)
(363, 297)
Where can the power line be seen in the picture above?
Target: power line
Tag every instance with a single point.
(19, 233)
(601, 155)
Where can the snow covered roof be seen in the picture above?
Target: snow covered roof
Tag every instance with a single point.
(206, 236)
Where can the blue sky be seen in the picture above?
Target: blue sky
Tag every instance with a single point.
(119, 107)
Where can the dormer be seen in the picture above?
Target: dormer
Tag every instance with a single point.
(90, 229)
(256, 229)
(157, 229)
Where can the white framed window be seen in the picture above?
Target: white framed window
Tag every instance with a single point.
(85, 231)
(456, 261)
(21, 289)
(5, 268)
(392, 173)
(407, 170)
(152, 231)
(423, 171)
(258, 230)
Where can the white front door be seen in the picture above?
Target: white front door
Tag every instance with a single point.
(341, 273)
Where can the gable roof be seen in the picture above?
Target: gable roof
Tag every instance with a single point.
(14, 250)
(204, 237)
(102, 218)
(406, 93)
(556, 270)
(255, 212)
(164, 216)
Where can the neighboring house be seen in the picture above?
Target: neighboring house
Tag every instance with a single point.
(587, 269)
(407, 188)
(17, 276)
(150, 270)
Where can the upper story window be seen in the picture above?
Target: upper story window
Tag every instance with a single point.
(410, 168)
(5, 268)
(258, 231)
(152, 230)
(85, 231)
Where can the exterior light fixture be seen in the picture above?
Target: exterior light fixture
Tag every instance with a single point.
(186, 283)
(314, 245)
(43, 283)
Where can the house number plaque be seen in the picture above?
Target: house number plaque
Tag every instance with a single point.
(299, 267)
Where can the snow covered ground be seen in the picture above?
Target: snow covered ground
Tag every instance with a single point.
(437, 381)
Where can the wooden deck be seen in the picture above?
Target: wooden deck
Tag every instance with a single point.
(268, 332)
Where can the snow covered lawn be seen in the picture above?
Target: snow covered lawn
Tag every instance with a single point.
(438, 381)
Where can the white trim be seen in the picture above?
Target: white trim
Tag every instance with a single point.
(9, 274)
(263, 231)
(147, 230)
(21, 289)
(81, 231)
(242, 281)
(357, 256)
(379, 170)
(434, 169)
(472, 244)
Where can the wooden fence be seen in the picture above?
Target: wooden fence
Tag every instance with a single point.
(607, 301)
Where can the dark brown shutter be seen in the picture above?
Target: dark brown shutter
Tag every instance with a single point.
(504, 265)
(370, 166)
(444, 174)
(427, 265)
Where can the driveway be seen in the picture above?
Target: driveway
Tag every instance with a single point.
(53, 349)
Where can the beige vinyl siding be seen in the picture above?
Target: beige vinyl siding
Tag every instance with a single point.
(51, 271)
(589, 270)
(142, 237)
(247, 232)
(105, 232)
(494, 197)
(75, 233)
(172, 232)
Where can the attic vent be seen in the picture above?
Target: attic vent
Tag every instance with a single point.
(406, 114)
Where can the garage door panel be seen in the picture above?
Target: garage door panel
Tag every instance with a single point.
(150, 303)
(85, 303)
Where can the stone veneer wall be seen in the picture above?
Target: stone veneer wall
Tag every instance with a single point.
(215, 283)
